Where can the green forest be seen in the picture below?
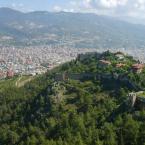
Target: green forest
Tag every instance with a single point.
(86, 111)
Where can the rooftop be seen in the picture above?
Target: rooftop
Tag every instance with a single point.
(105, 62)
(138, 66)
(120, 65)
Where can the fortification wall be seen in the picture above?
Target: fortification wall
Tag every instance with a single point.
(140, 103)
(133, 99)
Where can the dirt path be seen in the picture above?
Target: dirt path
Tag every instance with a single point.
(20, 83)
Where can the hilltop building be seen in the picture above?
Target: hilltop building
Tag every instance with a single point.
(104, 63)
(120, 55)
(137, 68)
(119, 65)
(10, 73)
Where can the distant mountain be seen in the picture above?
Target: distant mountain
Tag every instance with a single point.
(74, 29)
(133, 20)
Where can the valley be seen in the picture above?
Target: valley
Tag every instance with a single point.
(75, 30)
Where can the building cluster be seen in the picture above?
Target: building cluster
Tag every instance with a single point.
(136, 68)
(34, 60)
(137, 53)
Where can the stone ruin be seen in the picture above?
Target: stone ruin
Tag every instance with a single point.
(132, 99)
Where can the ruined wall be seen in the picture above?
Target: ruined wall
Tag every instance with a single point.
(140, 103)
(80, 76)
(132, 99)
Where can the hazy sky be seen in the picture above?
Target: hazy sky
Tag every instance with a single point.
(123, 8)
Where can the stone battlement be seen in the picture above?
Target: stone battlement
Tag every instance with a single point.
(87, 76)
(136, 101)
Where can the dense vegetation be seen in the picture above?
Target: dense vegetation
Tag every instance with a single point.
(71, 112)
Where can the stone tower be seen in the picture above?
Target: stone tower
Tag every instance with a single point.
(132, 99)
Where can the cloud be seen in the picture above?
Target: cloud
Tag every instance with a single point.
(87, 3)
(57, 8)
(14, 5)
(140, 4)
(113, 3)
(73, 3)
(17, 5)
(117, 8)
(20, 7)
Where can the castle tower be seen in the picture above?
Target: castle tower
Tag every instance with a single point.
(132, 99)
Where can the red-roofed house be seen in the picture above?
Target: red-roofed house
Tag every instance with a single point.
(10, 73)
(119, 65)
(104, 63)
(137, 68)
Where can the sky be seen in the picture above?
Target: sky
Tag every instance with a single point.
(117, 8)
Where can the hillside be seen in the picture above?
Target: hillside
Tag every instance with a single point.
(83, 102)
(73, 29)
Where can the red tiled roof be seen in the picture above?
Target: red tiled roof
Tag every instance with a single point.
(105, 62)
(10, 73)
(138, 66)
(2, 61)
(120, 65)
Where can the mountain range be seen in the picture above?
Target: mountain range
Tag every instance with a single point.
(73, 29)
